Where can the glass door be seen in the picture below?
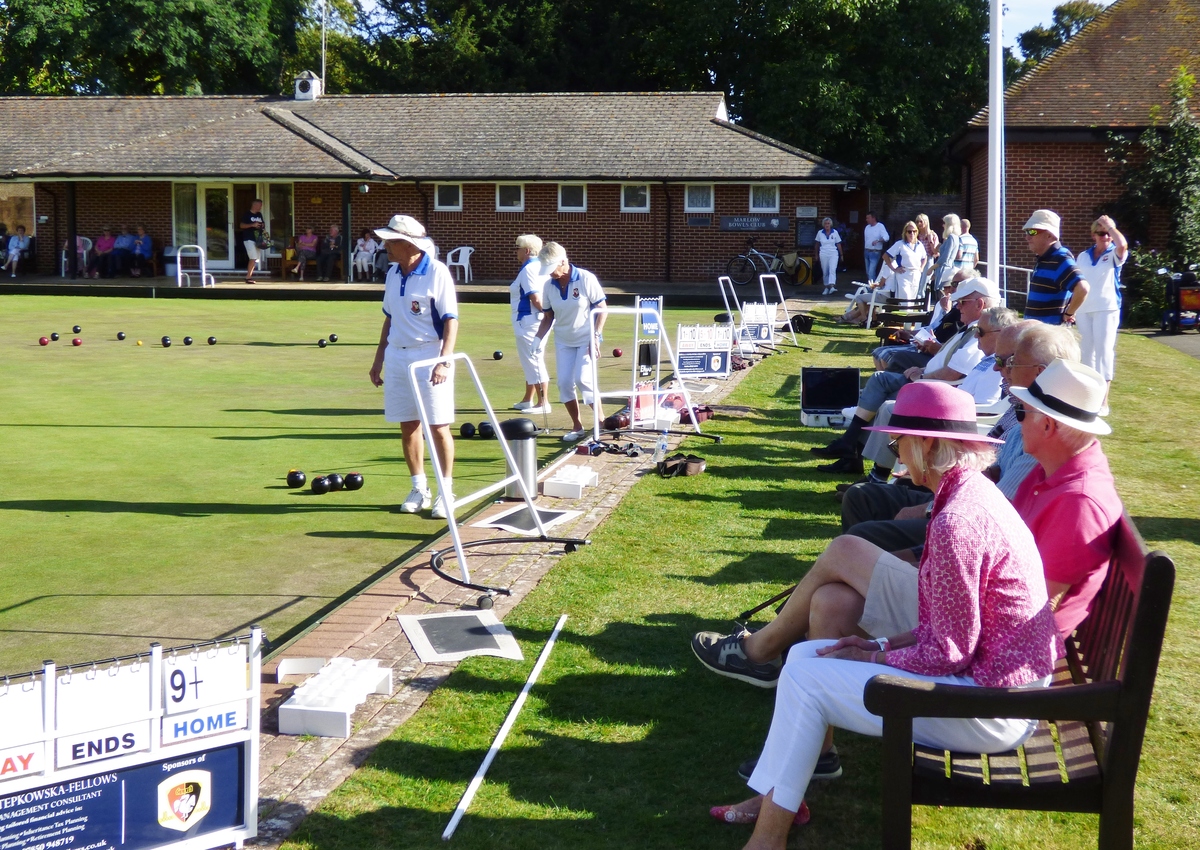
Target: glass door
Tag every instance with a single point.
(216, 232)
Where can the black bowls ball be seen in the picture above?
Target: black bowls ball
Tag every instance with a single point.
(354, 481)
(212, 340)
(320, 486)
(497, 355)
(77, 329)
(333, 337)
(486, 431)
(54, 337)
(467, 429)
(187, 340)
(336, 482)
(120, 334)
(296, 478)
(166, 342)
(321, 343)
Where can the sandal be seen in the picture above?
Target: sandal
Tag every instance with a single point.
(728, 814)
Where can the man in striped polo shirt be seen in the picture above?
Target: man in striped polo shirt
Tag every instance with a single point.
(1056, 288)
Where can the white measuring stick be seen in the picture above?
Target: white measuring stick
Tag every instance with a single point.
(469, 794)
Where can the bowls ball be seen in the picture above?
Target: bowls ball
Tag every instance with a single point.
(497, 355)
(212, 340)
(139, 342)
(336, 482)
(617, 352)
(320, 486)
(77, 341)
(187, 340)
(44, 341)
(296, 478)
(467, 429)
(354, 480)
(333, 337)
(321, 343)
(121, 335)
(76, 329)
(54, 337)
(486, 431)
(166, 342)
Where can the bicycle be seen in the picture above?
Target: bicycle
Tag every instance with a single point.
(746, 266)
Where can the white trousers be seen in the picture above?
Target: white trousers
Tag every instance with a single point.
(816, 692)
(829, 264)
(534, 366)
(363, 262)
(1098, 340)
(574, 368)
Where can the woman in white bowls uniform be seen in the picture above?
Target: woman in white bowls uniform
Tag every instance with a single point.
(1100, 313)
(421, 322)
(570, 295)
(829, 251)
(525, 299)
(907, 259)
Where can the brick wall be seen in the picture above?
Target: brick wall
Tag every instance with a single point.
(614, 245)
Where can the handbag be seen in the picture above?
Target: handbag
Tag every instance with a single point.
(699, 412)
(681, 465)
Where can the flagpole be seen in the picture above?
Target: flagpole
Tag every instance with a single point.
(995, 208)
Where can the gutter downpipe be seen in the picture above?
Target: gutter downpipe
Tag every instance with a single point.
(347, 269)
(667, 270)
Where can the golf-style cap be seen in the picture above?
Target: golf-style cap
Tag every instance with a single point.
(1046, 220)
(934, 409)
(975, 284)
(551, 257)
(1070, 393)
(409, 229)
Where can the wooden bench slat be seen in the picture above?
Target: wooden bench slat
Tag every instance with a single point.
(1041, 758)
(1005, 769)
(1079, 758)
(929, 762)
(966, 768)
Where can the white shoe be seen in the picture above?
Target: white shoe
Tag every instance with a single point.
(573, 436)
(829, 290)
(522, 405)
(439, 507)
(418, 500)
(545, 408)
(848, 413)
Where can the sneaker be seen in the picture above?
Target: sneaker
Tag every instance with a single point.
(439, 507)
(829, 766)
(724, 655)
(418, 500)
(522, 405)
(848, 412)
(573, 436)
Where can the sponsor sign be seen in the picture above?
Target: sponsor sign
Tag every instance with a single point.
(650, 322)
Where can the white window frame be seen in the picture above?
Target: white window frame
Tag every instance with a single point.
(712, 198)
(772, 209)
(626, 209)
(562, 208)
(520, 208)
(440, 207)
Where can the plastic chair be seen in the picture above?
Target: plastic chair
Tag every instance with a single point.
(460, 258)
(83, 258)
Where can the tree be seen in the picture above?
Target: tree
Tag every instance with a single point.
(1068, 19)
(145, 46)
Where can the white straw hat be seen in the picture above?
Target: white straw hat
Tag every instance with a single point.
(1070, 393)
(409, 229)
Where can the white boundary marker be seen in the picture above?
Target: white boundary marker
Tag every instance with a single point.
(469, 794)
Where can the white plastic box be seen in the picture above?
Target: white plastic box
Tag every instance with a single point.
(324, 704)
(569, 482)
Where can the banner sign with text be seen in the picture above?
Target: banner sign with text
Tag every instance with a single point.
(703, 350)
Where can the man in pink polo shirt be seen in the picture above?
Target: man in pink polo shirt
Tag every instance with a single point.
(1069, 500)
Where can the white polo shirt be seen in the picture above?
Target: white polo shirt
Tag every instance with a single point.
(964, 359)
(528, 280)
(1103, 275)
(828, 242)
(419, 303)
(875, 237)
(572, 305)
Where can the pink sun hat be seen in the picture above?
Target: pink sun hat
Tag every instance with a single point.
(934, 409)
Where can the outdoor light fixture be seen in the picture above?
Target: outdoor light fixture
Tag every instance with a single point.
(364, 188)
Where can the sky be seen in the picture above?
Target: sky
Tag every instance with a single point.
(1021, 15)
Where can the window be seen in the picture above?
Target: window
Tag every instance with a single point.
(447, 197)
(572, 197)
(279, 215)
(698, 198)
(764, 198)
(186, 219)
(510, 197)
(635, 198)
(16, 209)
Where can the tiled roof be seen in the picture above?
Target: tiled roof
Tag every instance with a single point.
(1112, 73)
(429, 137)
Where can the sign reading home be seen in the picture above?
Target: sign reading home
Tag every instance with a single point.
(755, 223)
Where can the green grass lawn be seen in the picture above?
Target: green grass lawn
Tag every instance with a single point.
(143, 492)
(626, 740)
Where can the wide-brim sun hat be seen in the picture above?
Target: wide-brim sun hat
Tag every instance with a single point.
(934, 409)
(1046, 220)
(1070, 393)
(409, 229)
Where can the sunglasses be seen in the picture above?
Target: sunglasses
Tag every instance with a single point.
(1032, 232)
(894, 447)
(1019, 410)
(981, 333)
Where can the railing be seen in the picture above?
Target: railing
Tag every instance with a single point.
(1002, 282)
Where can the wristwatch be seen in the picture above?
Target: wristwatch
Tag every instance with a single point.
(883, 643)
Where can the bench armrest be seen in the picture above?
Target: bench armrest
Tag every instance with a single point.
(896, 696)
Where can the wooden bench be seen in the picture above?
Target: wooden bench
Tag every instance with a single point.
(1096, 709)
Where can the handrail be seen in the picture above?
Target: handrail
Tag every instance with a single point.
(1003, 284)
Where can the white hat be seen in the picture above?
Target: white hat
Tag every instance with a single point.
(409, 229)
(1046, 220)
(975, 284)
(1070, 393)
(551, 257)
